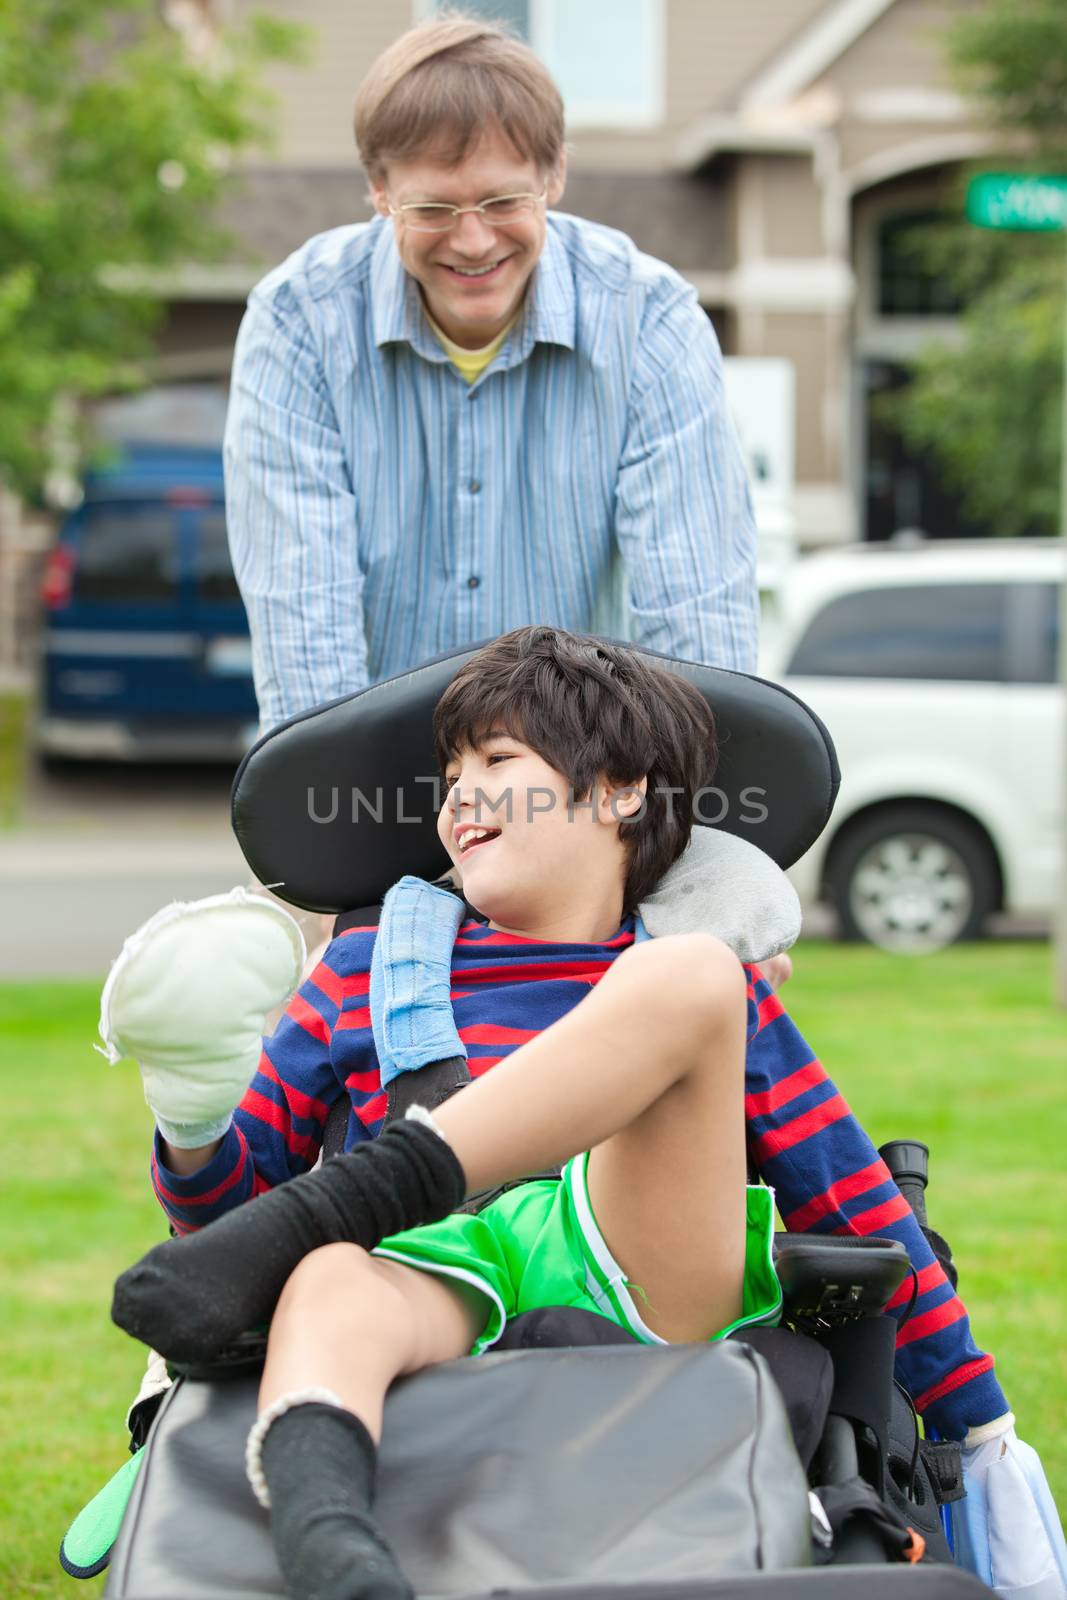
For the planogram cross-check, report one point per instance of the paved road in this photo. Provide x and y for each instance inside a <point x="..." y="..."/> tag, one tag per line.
<point x="98" y="850"/>
<point x="68" y="904"/>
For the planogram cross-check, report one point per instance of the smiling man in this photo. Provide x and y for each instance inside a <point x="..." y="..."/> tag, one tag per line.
<point x="475" y="412"/>
<point x="472" y="262"/>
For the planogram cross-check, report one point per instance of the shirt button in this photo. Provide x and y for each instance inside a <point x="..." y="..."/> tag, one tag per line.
<point x="472" y="583"/>
<point x="474" y="486"/>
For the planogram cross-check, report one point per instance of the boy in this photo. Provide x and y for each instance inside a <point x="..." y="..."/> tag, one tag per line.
<point x="571" y="768"/>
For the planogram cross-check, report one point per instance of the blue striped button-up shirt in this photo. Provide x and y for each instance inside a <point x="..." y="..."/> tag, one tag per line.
<point x="381" y="510"/>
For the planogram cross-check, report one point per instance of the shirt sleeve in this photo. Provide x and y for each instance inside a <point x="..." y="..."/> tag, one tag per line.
<point x="292" y="515"/>
<point x="829" y="1178"/>
<point x="683" y="514"/>
<point x="277" y="1129"/>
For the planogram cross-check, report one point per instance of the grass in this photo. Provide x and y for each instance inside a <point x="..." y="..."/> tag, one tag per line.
<point x="962" y="1050"/>
<point x="965" y="1051"/>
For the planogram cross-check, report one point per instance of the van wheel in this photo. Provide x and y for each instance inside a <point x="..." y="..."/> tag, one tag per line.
<point x="912" y="878"/>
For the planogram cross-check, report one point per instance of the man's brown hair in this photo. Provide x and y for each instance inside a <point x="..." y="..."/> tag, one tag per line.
<point x="443" y="83"/>
<point x="592" y="710"/>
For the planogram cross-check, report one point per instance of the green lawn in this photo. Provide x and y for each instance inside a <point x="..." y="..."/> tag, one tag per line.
<point x="962" y="1050"/>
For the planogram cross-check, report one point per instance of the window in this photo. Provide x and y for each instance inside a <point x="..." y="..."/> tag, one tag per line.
<point x="940" y="631"/>
<point x="127" y="553"/>
<point x="605" y="55"/>
<point x="908" y="285"/>
<point x="1048" y="634"/>
<point x="1034" y="627"/>
<point x="514" y="13"/>
<point x="215" y="579"/>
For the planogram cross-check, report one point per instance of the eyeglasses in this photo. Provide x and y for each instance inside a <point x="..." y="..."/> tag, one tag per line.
<point x="434" y="216"/>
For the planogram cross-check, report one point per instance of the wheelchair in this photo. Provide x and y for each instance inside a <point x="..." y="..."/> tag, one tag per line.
<point x="570" y="1460"/>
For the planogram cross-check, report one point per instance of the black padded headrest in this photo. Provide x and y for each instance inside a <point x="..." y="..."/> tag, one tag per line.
<point x="335" y="805"/>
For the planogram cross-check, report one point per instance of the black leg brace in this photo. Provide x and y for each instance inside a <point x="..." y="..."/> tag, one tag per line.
<point x="319" y="1464"/>
<point x="189" y="1298"/>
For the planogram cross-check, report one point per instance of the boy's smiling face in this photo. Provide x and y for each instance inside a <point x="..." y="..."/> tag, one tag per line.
<point x="529" y="857"/>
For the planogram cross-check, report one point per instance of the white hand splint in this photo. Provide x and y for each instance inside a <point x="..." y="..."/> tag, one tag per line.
<point x="187" y="998"/>
<point x="1007" y="1528"/>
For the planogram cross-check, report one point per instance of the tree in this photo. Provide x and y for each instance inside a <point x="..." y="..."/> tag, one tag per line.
<point x="989" y="407"/>
<point x="115" y="137"/>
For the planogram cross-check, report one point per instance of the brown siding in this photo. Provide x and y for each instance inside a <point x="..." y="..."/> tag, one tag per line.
<point x="711" y="48"/>
<point x="314" y="124"/>
<point x="903" y="49"/>
<point x="792" y="207"/>
<point x="715" y="46"/>
<point x="859" y="142"/>
<point x="810" y="342"/>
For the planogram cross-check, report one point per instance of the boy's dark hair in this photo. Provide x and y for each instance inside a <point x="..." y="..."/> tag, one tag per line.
<point x="591" y="710"/>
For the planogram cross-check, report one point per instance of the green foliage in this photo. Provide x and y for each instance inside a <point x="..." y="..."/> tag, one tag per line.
<point x="14" y="713"/>
<point x="114" y="147"/>
<point x="990" y="405"/>
<point x="1011" y="56"/>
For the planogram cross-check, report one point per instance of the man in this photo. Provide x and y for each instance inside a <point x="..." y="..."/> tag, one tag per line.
<point x="470" y="414"/>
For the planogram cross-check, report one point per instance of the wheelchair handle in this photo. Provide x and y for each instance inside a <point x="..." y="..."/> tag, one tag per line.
<point x="908" y="1161"/>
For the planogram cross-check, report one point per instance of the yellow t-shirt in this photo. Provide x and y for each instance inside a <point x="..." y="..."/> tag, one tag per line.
<point x="470" y="364"/>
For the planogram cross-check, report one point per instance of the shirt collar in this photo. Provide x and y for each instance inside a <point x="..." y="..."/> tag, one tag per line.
<point x="551" y="306"/>
<point x="549" y="316"/>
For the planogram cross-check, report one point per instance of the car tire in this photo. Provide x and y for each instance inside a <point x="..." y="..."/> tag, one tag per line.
<point x="912" y="879"/>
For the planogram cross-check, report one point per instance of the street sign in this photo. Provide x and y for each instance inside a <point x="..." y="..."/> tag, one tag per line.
<point x="1023" y="201"/>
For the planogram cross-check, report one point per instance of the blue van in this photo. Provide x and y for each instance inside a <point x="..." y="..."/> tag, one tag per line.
<point x="146" y="654"/>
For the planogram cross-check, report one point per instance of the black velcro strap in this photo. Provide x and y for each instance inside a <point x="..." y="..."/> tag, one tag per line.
<point x="358" y="917"/>
<point x="478" y="1202"/>
<point x="429" y="1086"/>
<point x="943" y="1251"/>
<point x="944" y="1457"/>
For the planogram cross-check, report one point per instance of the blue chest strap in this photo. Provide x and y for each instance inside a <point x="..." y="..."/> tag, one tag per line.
<point x="411" y="977"/>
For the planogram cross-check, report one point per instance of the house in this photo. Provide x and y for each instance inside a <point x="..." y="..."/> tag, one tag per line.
<point x="772" y="150"/>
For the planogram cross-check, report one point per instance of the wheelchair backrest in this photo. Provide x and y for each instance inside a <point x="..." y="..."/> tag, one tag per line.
<point x="334" y="806"/>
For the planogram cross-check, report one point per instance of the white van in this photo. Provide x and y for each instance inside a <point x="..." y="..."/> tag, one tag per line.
<point x="935" y="669"/>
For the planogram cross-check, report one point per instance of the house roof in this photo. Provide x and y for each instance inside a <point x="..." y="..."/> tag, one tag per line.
<point x="766" y="115"/>
<point x="811" y="51"/>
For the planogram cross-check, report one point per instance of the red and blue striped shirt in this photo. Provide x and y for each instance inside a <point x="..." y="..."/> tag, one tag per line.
<point x="803" y="1139"/>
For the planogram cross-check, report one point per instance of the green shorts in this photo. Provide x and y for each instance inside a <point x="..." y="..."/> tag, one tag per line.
<point x="539" y="1245"/>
